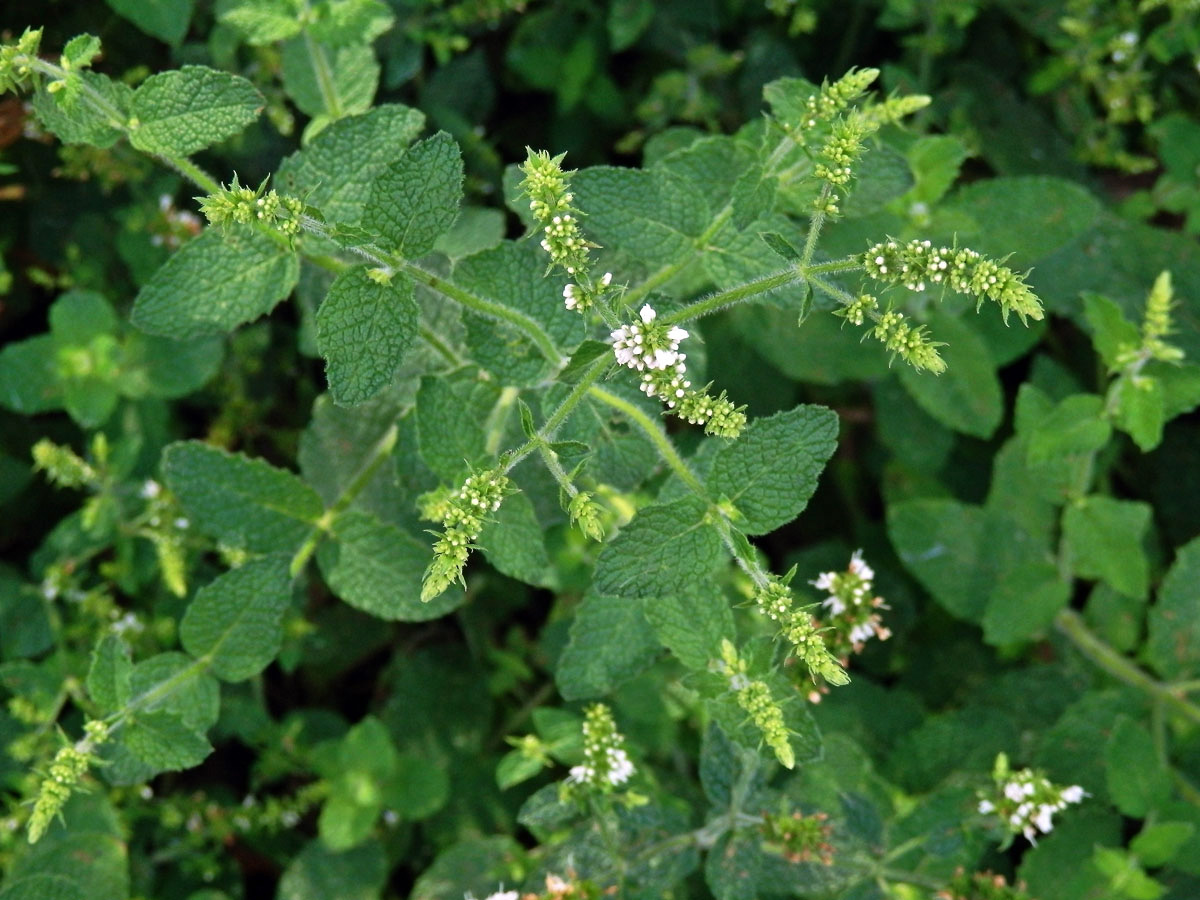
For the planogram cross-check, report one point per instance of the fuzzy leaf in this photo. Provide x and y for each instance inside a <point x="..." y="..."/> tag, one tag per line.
<point x="329" y="83"/>
<point x="166" y="20"/>
<point x="214" y="283"/>
<point x="1174" y="643"/>
<point x="771" y="471"/>
<point x="1105" y="540"/>
<point x="163" y="742"/>
<point x="186" y="110"/>
<point x="378" y="567"/>
<point x="242" y="502"/>
<point x="610" y="643"/>
<point x="109" y="674"/>
<point x="335" y="171"/>
<point x="514" y="542"/>
<point x="363" y="331"/>
<point x="82" y="123"/>
<point x="692" y="624"/>
<point x="318" y="873"/>
<point x="665" y="547"/>
<point x="1137" y="779"/>
<point x="236" y="620"/>
<point x="414" y="201"/>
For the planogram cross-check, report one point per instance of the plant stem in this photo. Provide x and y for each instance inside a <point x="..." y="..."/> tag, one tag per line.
<point x="1119" y="667"/>
<point x="734" y="295"/>
<point x="380" y="452"/>
<point x="669" y="271"/>
<point x="654" y="431"/>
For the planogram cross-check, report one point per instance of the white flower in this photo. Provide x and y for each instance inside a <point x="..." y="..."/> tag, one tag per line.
<point x="824" y="581"/>
<point x="607" y="279"/>
<point x="1042" y="819"/>
<point x="834" y="604"/>
<point x="571" y="295"/>
<point x="647" y="313"/>
<point x="150" y="489"/>
<point x="1073" y="794"/>
<point x="859" y="567"/>
<point x="620" y="768"/>
<point x="676" y="334"/>
<point x="986" y="806"/>
<point x="1014" y="791"/>
<point x="503" y="895"/>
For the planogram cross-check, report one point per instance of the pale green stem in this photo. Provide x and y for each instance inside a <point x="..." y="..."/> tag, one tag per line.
<point x="329" y="95"/>
<point x="1070" y="624"/>
<point x="380" y="452"/>
<point x="743" y="292"/>
<point x="550" y="459"/>
<point x="669" y="271"/>
<point x="497" y="419"/>
<point x="546" y="433"/>
<point x="654" y="431"/>
<point x="815" y="222"/>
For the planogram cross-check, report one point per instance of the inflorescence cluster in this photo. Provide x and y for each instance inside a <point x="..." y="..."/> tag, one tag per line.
<point x="799" y="838"/>
<point x="797" y="626"/>
<point x="918" y="264"/>
<point x="462" y="513"/>
<point x="653" y="349"/>
<point x="851" y="608"/>
<point x="605" y="764"/>
<point x="245" y="206"/>
<point x="1025" y="801"/>
<point x="754" y="696"/>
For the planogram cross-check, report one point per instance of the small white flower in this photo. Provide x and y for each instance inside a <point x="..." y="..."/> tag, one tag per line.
<point x="859" y="567"/>
<point x="834" y="604"/>
<point x="647" y="313"/>
<point x="1073" y="794"/>
<point x="607" y="279"/>
<point x="677" y="334"/>
<point x="503" y="895"/>
<point x="986" y="806"/>
<point x="1043" y="818"/>
<point x="150" y="489"/>
<point x="1014" y="791"/>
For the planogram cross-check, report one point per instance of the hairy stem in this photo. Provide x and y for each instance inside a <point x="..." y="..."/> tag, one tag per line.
<point x="1071" y="625"/>
<point x="743" y="292"/>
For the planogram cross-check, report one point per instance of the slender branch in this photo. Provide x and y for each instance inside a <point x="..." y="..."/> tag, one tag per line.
<point x="1070" y="624"/>
<point x="743" y="292"/>
<point x="380" y="452"/>
<point x="654" y="431"/>
<point x="669" y="271"/>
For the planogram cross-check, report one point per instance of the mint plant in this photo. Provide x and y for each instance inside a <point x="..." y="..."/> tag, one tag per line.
<point x="539" y="470"/>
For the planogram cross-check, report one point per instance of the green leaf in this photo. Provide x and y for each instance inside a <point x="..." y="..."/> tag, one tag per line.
<point x="242" y="502"/>
<point x="29" y="381"/>
<point x="166" y="20"/>
<point x="363" y="331"/>
<point x="665" y="547"/>
<point x="378" y="567"/>
<point x="1141" y="410"/>
<point x="336" y="170"/>
<point x="43" y="887"/>
<point x="186" y="110"/>
<point x="1174" y="641"/>
<point x="415" y="200"/>
<point x="653" y="216"/>
<point x="449" y="413"/>
<point x="780" y="246"/>
<point x="514" y="275"/>
<point x="1075" y="426"/>
<point x="1125" y="876"/>
<point x="1105" y="538"/>
<point x="585" y="354"/>
<point x="418" y="788"/>
<point x="935" y="161"/>
<point x="1137" y="779"/>
<point x="1157" y="844"/>
<point x="318" y="873"/>
<point x="610" y="643"/>
<point x="967" y="396"/>
<point x="514" y="542"/>
<point x="84" y="123"/>
<point x="771" y="471"/>
<point x="163" y="742"/>
<point x="366" y="760"/>
<point x="236" y="620"/>
<point x="109" y="674"/>
<point x="262" y="22"/>
<point x="1111" y="331"/>
<point x="179" y="685"/>
<point x="691" y="625"/>
<point x="326" y="82"/>
<point x="938" y="541"/>
<point x="214" y="283"/>
<point x="91" y="852"/>
<point x="733" y="867"/>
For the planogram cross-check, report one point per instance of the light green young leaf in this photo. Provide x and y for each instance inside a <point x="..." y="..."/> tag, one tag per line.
<point x="1075" y="426"/>
<point x="235" y="621"/>
<point x="654" y="216"/>
<point x="415" y="200"/>
<point x="262" y="22"/>
<point x="1105" y="538"/>
<point x="329" y="83"/>
<point x="214" y="283"/>
<point x="1111" y="331"/>
<point x="967" y="396"/>
<point x="318" y="873"/>
<point x="166" y="20"/>
<point x="335" y="171"/>
<point x="1157" y="844"/>
<point x="1174" y="641"/>
<point x="108" y="678"/>
<point x="691" y="624"/>
<point x="163" y="742"/>
<point x="378" y="567"/>
<point x="771" y="471"/>
<point x="515" y="543"/>
<point x="1138" y="781"/>
<point x="242" y="502"/>
<point x="665" y="548"/>
<point x="363" y="331"/>
<point x="84" y="122"/>
<point x="611" y="641"/>
<point x="186" y="110"/>
<point x="352" y="22"/>
<point x="445" y="408"/>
